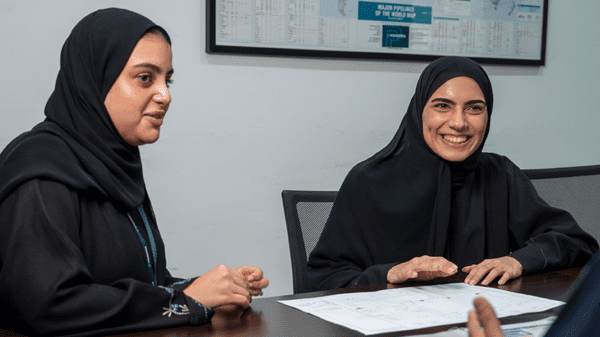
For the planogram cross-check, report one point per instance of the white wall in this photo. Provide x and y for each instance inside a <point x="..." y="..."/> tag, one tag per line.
<point x="242" y="129"/>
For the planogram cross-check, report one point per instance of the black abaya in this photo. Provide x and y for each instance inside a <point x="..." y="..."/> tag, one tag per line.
<point x="76" y="256"/>
<point x="406" y="202"/>
<point x="72" y="263"/>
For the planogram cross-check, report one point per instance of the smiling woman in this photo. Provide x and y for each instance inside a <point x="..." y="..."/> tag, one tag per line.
<point x="432" y="203"/>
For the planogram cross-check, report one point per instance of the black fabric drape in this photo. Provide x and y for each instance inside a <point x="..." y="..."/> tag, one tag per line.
<point x="406" y="202"/>
<point x="78" y="144"/>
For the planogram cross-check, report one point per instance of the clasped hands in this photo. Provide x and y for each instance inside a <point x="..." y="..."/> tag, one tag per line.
<point x="426" y="268"/>
<point x="226" y="288"/>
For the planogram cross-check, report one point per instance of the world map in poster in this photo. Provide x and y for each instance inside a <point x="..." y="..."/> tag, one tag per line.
<point x="498" y="29"/>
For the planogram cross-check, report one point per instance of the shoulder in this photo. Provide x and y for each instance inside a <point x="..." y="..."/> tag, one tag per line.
<point x="46" y="190"/>
<point x="33" y="150"/>
<point x="499" y="166"/>
<point x="358" y="175"/>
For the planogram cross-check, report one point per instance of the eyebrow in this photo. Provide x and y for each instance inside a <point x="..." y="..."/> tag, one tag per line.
<point x="154" y="67"/>
<point x="449" y="101"/>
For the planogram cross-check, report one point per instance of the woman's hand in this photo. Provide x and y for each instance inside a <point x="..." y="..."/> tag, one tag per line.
<point x="221" y="286"/>
<point x="422" y="268"/>
<point x="483" y="317"/>
<point x="506" y="266"/>
<point x="255" y="279"/>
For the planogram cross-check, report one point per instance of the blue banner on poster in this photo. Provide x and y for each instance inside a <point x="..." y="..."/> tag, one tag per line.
<point x="395" y="36"/>
<point x="381" y="11"/>
<point x="529" y="9"/>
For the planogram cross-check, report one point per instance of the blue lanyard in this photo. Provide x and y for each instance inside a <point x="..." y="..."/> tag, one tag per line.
<point x="152" y="243"/>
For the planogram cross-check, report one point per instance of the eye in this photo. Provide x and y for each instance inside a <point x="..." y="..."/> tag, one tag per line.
<point x="475" y="109"/>
<point x="146" y="79"/>
<point x="442" y="106"/>
<point x="169" y="82"/>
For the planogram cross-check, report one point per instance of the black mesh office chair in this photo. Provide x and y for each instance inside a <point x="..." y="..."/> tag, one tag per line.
<point x="574" y="189"/>
<point x="305" y="215"/>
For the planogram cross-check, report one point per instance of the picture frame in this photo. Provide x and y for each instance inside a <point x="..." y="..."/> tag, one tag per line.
<point x="509" y="32"/>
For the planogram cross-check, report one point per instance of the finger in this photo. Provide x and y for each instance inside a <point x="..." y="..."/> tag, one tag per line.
<point x="410" y="273"/>
<point x="478" y="273"/>
<point x="471" y="275"/>
<point x="505" y="278"/>
<point x="252" y="273"/>
<point x="491" y="276"/>
<point x="468" y="269"/>
<point x="239" y="291"/>
<point x="256" y="292"/>
<point x="225" y="273"/>
<point x="239" y="278"/>
<point x="487" y="317"/>
<point x="473" y="325"/>
<point x="239" y="300"/>
<point x="246" y="271"/>
<point x="256" y="274"/>
<point x="260" y="284"/>
<point x="446" y="266"/>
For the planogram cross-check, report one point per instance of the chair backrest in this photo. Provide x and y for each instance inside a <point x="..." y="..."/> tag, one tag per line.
<point x="574" y="189"/>
<point x="306" y="213"/>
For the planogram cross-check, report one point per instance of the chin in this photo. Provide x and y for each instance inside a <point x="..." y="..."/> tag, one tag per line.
<point x="148" y="139"/>
<point x="455" y="158"/>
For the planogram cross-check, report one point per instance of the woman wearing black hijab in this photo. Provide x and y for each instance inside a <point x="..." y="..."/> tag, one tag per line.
<point x="80" y="250"/>
<point x="431" y="203"/>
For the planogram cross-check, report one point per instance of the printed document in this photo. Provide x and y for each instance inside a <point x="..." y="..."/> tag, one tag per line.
<point x="411" y="308"/>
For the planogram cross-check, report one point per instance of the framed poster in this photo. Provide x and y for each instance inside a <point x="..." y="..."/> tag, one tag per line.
<point x="488" y="31"/>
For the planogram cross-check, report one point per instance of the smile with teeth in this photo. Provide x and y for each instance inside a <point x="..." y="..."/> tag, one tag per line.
<point x="455" y="139"/>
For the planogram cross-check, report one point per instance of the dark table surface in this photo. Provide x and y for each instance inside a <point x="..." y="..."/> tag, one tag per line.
<point x="267" y="317"/>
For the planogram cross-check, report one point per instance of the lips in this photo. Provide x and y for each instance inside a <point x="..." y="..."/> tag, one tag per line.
<point x="156" y="118"/>
<point x="456" y="139"/>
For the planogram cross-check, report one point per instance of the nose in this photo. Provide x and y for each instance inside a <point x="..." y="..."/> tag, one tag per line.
<point x="163" y="95"/>
<point x="457" y="120"/>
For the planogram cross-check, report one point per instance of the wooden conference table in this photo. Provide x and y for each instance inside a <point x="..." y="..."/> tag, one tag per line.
<point x="267" y="317"/>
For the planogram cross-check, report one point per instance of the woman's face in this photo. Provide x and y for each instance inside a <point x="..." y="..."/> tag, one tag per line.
<point x="139" y="99"/>
<point x="455" y="119"/>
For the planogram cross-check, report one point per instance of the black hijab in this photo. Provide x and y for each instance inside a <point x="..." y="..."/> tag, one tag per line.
<point x="77" y="144"/>
<point x="419" y="184"/>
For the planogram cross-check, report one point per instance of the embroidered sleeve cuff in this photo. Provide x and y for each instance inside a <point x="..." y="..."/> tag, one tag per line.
<point x="200" y="314"/>
<point x="180" y="285"/>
